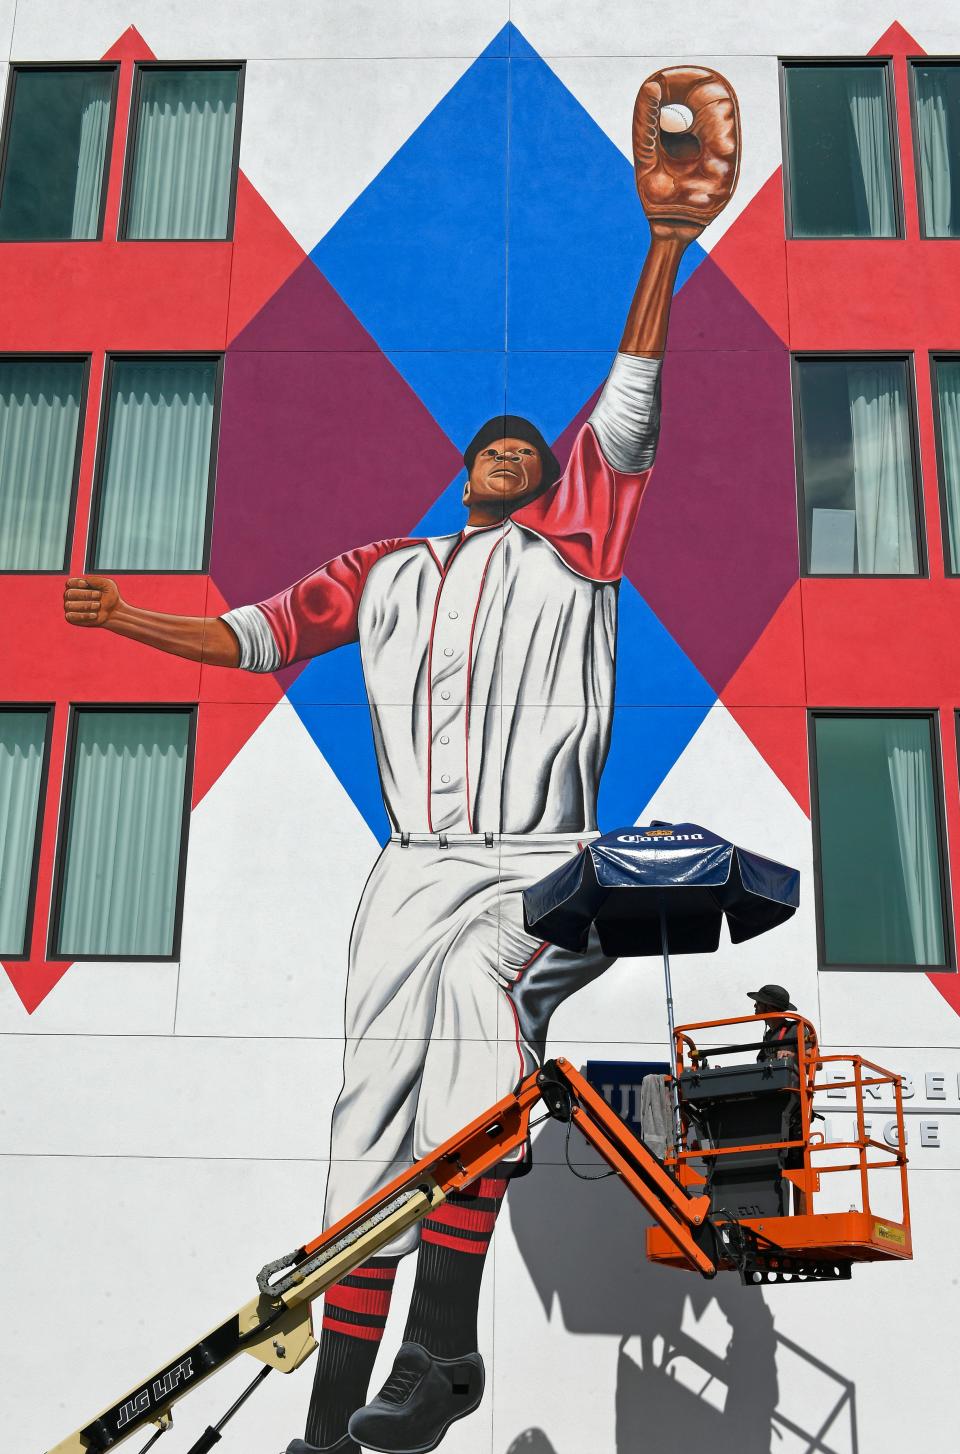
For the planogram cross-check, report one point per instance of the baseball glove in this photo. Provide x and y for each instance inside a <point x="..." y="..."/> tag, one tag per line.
<point x="686" y="177"/>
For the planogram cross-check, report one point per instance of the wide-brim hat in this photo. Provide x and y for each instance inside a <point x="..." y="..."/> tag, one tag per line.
<point x="772" y="994"/>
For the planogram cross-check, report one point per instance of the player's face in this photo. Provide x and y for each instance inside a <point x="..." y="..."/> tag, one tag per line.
<point x="509" y="470"/>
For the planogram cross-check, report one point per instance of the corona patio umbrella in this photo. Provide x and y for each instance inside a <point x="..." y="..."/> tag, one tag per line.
<point x="661" y="889"/>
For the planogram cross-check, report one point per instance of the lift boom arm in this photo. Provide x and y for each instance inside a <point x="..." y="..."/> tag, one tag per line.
<point x="275" y="1326"/>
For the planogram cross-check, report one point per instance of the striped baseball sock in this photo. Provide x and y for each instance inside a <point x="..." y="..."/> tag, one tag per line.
<point x="354" y="1317"/>
<point x="453" y="1249"/>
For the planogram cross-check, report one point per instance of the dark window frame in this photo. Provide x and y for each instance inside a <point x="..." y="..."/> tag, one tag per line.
<point x="47" y="708"/>
<point x="103" y="430"/>
<point x="839" y="356"/>
<point x="912" y="63"/>
<point x="942" y="356"/>
<point x="932" y="716"/>
<point x="893" y="129"/>
<point x="54" y="953"/>
<point x="15" y="68"/>
<point x="84" y="359"/>
<point x="132" y="128"/>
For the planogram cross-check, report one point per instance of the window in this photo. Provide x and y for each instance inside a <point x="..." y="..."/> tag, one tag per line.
<point x="123" y="850"/>
<point x="879" y="828"/>
<point x="156" y="469"/>
<point x="839" y="157"/>
<point x="855" y="456"/>
<point x="946" y="393"/>
<point x="184" y="154"/>
<point x="936" y="98"/>
<point x="41" y="402"/>
<point x="23" y="744"/>
<point x="58" y="123"/>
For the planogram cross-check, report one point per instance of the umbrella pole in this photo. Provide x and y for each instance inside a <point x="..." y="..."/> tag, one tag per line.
<point x="668" y="985"/>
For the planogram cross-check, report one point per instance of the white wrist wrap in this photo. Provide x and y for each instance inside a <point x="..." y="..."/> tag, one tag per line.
<point x="626" y="420"/>
<point x="258" y="650"/>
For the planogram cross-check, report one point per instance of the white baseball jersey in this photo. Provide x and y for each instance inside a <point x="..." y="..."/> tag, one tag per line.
<point x="488" y="655"/>
<point x="489" y="663"/>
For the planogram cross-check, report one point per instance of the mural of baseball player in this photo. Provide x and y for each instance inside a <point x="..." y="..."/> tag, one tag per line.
<point x="489" y="661"/>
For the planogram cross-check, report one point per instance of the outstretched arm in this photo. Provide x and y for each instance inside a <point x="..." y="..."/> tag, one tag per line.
<point x="686" y="147"/>
<point x="95" y="601"/>
<point x="686" y="143"/>
<point x="316" y="614"/>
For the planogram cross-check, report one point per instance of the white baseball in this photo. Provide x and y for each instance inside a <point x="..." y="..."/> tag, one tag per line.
<point x="675" y="118"/>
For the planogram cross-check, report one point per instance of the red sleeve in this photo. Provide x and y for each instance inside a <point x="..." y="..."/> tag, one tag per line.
<point x="589" y="514"/>
<point x="320" y="611"/>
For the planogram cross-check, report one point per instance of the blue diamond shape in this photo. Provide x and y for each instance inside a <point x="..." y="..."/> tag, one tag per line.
<point x="420" y="257"/>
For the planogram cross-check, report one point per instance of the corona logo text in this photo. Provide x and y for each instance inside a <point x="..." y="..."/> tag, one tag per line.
<point x="660" y="835"/>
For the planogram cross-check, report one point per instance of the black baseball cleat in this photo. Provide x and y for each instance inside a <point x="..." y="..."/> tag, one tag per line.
<point x="342" y="1446"/>
<point x="422" y="1397"/>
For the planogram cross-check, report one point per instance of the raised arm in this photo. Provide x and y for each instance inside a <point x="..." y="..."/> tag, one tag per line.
<point x="95" y="601"/>
<point x="686" y="146"/>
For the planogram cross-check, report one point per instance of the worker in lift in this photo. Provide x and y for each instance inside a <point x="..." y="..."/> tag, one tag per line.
<point x="780" y="1036"/>
<point x="780" y="1041"/>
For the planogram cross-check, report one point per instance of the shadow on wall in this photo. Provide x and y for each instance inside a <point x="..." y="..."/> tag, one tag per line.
<point x="697" y="1361"/>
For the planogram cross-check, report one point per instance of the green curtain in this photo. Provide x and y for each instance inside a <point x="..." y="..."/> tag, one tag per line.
<point x="94" y="119"/>
<point x="183" y="162"/>
<point x="153" y="505"/>
<point x="948" y="396"/>
<point x="123" y="838"/>
<point x="938" y="140"/>
<point x="22" y="737"/>
<point x="879" y="850"/>
<point x="56" y="153"/>
<point x="882" y="468"/>
<point x="39" y="418"/>
<point x="838" y="147"/>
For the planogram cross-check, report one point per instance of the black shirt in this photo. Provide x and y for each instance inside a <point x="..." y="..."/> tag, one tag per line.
<point x="780" y="1035"/>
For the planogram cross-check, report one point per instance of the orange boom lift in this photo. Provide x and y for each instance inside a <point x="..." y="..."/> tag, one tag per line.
<point x="687" y="1195"/>
<point x="725" y="1149"/>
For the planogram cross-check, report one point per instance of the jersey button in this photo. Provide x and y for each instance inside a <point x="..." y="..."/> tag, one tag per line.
<point x="444" y="740"/>
<point x="445" y="778"/>
<point x="454" y="615"/>
<point x="448" y="651"/>
<point x="445" y="696"/>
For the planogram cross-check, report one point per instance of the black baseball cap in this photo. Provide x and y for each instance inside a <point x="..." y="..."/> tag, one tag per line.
<point x="514" y="426"/>
<point x="773" y="995"/>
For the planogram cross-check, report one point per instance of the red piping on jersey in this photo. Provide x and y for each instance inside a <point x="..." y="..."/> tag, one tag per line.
<point x="466" y="715"/>
<point x="433" y="626"/>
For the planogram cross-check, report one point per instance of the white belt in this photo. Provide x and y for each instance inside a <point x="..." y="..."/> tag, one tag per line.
<point x="490" y="840"/>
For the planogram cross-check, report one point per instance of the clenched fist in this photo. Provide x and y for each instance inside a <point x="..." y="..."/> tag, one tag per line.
<point x="686" y="173"/>
<point x="90" y="600"/>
